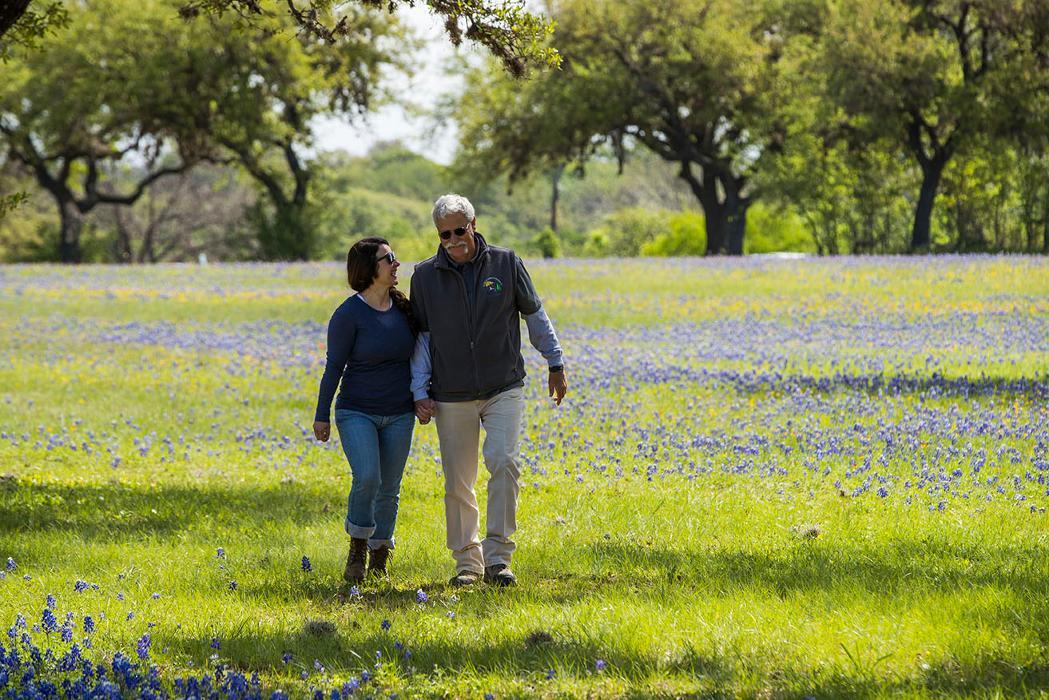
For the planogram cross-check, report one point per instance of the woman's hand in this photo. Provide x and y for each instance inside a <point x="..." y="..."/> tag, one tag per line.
<point x="321" y="430"/>
<point x="424" y="410"/>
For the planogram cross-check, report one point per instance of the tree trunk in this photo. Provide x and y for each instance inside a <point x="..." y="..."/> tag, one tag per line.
<point x="705" y="189"/>
<point x="555" y="195"/>
<point x="124" y="252"/>
<point x="735" y="213"/>
<point x="921" y="233"/>
<point x="286" y="235"/>
<point x="71" y="223"/>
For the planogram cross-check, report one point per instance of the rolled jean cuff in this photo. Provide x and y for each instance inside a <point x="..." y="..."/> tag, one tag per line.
<point x="359" y="532"/>
<point x="375" y="544"/>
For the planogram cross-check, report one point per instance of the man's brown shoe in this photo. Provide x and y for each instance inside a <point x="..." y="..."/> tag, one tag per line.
<point x="465" y="578"/>
<point x="355" y="561"/>
<point x="377" y="560"/>
<point x="500" y="575"/>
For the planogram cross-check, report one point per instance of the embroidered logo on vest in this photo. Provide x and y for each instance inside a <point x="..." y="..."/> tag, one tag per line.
<point x="493" y="285"/>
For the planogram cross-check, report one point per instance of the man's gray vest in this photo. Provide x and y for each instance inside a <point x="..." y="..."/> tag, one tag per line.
<point x="475" y="348"/>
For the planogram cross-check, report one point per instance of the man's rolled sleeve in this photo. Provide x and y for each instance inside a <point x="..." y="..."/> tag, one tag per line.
<point x="543" y="338"/>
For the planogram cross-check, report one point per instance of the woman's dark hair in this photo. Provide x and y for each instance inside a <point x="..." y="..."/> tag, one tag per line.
<point x="362" y="266"/>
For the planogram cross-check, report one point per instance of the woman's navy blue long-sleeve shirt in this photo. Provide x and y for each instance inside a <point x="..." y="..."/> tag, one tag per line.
<point x="369" y="351"/>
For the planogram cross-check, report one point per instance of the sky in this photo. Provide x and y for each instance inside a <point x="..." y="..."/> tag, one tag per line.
<point x="394" y="122"/>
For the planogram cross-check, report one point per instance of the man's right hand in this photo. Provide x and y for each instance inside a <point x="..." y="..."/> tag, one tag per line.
<point x="424" y="410"/>
<point x="321" y="430"/>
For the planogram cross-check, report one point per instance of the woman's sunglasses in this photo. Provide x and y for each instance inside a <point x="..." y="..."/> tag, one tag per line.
<point x="389" y="257"/>
<point x="460" y="232"/>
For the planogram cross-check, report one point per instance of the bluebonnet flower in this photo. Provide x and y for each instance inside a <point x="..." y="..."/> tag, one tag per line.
<point x="599" y="665"/>
<point x="48" y="620"/>
<point x="233" y="585"/>
<point x="89" y="624"/>
<point x="304" y="675"/>
<point x="551" y="674"/>
<point x="489" y="696"/>
<point x="11" y="564"/>
<point x="385" y="625"/>
<point x="50" y="602"/>
<point x="81" y="586"/>
<point x="143" y="646"/>
<point x="306" y="566"/>
<point x="67" y="633"/>
<point x="286" y="657"/>
<point x="130" y="614"/>
<point x="220" y="553"/>
<point x="365" y="676"/>
<point x="421" y="597"/>
<point x="317" y="665"/>
<point x="155" y="596"/>
<point x="215" y="643"/>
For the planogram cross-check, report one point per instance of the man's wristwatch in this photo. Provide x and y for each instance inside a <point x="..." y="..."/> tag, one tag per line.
<point x="557" y="368"/>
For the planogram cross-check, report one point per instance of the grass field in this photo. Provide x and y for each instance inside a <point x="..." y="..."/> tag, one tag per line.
<point x="770" y="478"/>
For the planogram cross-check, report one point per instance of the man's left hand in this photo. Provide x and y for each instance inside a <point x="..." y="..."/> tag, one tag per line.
<point x="558" y="383"/>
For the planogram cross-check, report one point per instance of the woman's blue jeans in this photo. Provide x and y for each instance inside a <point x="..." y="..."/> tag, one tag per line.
<point x="377" y="449"/>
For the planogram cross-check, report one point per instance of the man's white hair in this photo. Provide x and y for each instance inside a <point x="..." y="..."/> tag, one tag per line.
<point x="452" y="204"/>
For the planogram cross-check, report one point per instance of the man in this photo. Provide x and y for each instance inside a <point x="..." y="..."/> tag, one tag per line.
<point x="467" y="372"/>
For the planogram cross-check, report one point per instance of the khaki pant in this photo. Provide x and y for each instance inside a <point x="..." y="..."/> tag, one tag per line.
<point x="458" y="429"/>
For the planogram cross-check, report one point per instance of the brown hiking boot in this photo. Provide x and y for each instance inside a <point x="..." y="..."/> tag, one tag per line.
<point x="354" y="572"/>
<point x="465" y="578"/>
<point x="377" y="560"/>
<point x="500" y="575"/>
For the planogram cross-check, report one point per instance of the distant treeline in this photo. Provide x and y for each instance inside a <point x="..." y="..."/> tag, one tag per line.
<point x="133" y="134"/>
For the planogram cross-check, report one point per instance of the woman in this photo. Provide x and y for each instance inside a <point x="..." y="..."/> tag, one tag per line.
<point x="370" y="340"/>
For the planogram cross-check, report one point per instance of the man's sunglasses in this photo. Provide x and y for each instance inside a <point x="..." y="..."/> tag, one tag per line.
<point x="460" y="232"/>
<point x="389" y="257"/>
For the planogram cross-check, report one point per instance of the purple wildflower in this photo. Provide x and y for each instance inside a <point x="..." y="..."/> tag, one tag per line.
<point x="143" y="646"/>
<point x="48" y="620"/>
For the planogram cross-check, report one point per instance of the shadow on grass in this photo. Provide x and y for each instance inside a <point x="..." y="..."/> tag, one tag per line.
<point x="118" y="511"/>
<point x="349" y="649"/>
<point x="890" y="568"/>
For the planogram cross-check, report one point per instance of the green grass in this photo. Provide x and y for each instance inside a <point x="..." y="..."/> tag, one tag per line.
<point x="702" y="534"/>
